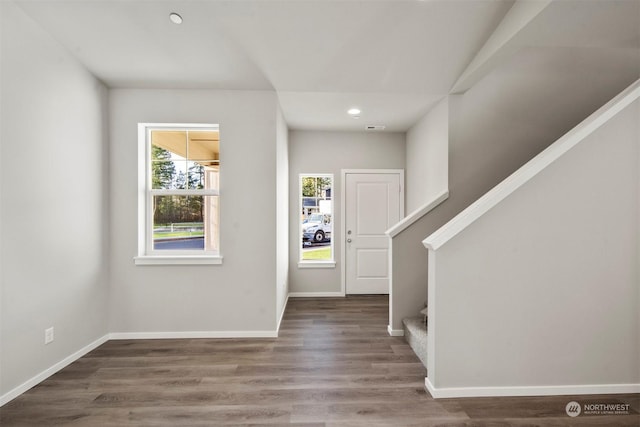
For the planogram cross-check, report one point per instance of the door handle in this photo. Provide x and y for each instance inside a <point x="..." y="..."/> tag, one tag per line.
<point x="348" y="240"/>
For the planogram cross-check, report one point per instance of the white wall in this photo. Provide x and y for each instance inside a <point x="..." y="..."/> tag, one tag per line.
<point x="282" y="213"/>
<point x="428" y="157"/>
<point x="502" y="122"/>
<point x="54" y="202"/>
<point x="549" y="292"/>
<point x="315" y="152"/>
<point x="239" y="296"/>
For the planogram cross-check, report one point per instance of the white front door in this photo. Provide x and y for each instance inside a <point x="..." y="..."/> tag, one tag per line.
<point x="373" y="204"/>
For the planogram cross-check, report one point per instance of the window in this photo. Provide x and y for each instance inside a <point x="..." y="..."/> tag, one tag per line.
<point x="316" y="220"/>
<point x="179" y="207"/>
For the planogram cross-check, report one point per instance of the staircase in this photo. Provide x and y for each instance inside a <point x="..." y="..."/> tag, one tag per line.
<point x="523" y="278"/>
<point x="481" y="156"/>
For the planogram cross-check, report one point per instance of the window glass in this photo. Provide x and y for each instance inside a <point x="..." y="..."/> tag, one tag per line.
<point x="316" y="217"/>
<point x="179" y="222"/>
<point x="182" y="190"/>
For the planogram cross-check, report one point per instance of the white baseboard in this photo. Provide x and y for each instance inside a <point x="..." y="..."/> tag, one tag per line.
<point x="316" y="294"/>
<point x="12" y="394"/>
<point x="284" y="308"/>
<point x="439" y="393"/>
<point x="395" y="332"/>
<point x="191" y="334"/>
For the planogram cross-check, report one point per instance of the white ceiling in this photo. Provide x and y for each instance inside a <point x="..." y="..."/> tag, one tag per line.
<point x="394" y="59"/>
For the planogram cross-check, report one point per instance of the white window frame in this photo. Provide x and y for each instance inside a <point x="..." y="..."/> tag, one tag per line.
<point x="306" y="263"/>
<point x="146" y="254"/>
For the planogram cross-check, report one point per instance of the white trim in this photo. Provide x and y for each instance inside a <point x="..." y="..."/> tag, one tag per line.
<point x="343" y="214"/>
<point x="145" y="195"/>
<point x="191" y="334"/>
<point x="177" y="126"/>
<point x="378" y="171"/>
<point x="186" y="192"/>
<point x="177" y="260"/>
<point x="432" y="302"/>
<point x="284" y="308"/>
<point x="142" y="188"/>
<point x="17" y="391"/>
<point x="316" y="264"/>
<point x="533" y="167"/>
<point x="343" y="231"/>
<point x="316" y="294"/>
<point x="390" y="272"/>
<point x="395" y="332"/>
<point x="407" y="221"/>
<point x="559" y="390"/>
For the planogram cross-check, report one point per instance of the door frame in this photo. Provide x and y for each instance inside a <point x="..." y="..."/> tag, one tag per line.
<point x="343" y="215"/>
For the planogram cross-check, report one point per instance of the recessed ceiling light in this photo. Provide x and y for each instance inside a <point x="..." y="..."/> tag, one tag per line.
<point x="175" y="18"/>
<point x="354" y="111"/>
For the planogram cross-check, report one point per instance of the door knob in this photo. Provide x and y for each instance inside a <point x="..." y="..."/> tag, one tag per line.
<point x="348" y="240"/>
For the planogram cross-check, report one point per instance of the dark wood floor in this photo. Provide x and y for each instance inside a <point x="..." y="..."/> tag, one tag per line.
<point x="333" y="364"/>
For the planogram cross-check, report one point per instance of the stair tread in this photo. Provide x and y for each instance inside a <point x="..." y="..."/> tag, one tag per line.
<point x="415" y="324"/>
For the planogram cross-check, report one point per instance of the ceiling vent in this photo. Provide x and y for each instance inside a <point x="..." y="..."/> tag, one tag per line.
<point x="374" y="127"/>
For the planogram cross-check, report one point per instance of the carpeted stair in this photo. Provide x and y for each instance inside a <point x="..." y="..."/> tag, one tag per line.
<point x="415" y="332"/>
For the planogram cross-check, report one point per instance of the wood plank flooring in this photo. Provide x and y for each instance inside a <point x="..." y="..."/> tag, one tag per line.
<point x="333" y="364"/>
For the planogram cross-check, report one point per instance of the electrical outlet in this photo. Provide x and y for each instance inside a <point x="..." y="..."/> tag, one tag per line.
<point x="48" y="335"/>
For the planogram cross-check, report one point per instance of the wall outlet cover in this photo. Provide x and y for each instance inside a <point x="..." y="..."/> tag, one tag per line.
<point x="48" y="335"/>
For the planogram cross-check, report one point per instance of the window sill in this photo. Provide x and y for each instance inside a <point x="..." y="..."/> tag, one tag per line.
<point x="178" y="260"/>
<point x="316" y="264"/>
